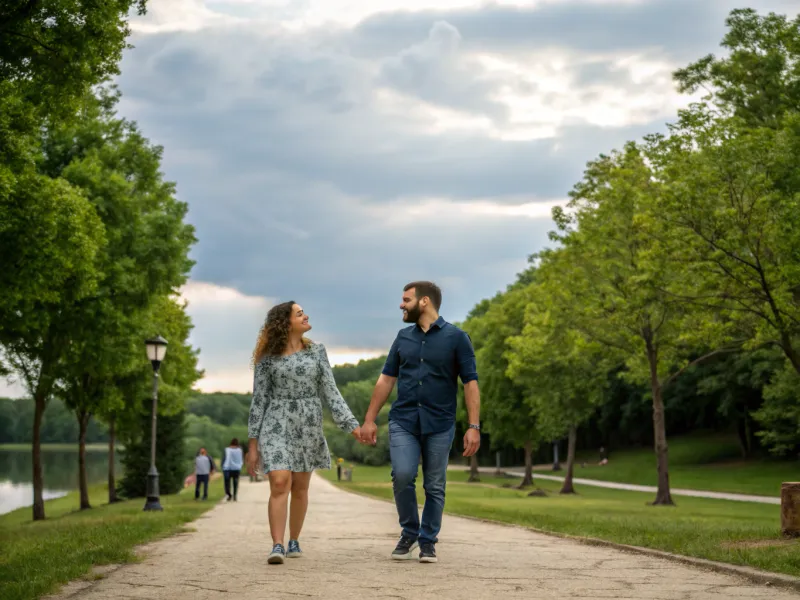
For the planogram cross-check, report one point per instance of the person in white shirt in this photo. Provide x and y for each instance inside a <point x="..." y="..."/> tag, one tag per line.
<point x="231" y="467"/>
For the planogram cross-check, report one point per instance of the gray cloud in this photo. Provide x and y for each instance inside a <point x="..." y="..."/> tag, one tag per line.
<point x="301" y="184"/>
<point x="683" y="29"/>
<point x="436" y="71"/>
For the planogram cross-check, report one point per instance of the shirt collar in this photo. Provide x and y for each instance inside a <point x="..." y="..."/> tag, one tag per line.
<point x="438" y="323"/>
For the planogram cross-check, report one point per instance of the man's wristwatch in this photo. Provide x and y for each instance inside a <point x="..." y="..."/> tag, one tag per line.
<point x="473" y="426"/>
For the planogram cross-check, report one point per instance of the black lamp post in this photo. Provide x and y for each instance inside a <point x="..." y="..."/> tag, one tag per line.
<point x="156" y="349"/>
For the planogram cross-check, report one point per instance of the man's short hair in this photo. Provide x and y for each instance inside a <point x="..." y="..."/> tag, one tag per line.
<point x="426" y="288"/>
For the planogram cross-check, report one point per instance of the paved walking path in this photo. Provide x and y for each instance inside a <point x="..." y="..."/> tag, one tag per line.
<point x="634" y="488"/>
<point x="347" y="541"/>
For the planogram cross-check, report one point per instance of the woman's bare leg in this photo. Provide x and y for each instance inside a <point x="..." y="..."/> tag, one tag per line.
<point x="299" y="505"/>
<point x="280" y="482"/>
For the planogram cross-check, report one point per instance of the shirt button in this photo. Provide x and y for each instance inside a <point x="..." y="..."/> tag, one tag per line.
<point x="421" y="360"/>
<point x="420" y="383"/>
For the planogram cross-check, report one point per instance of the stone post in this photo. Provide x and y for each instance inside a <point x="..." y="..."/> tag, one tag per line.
<point x="790" y="509"/>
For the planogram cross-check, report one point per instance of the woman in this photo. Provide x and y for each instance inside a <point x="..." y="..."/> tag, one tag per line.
<point x="292" y="379"/>
<point x="231" y="467"/>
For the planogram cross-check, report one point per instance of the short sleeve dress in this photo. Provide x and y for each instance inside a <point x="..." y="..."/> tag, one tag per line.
<point x="286" y="410"/>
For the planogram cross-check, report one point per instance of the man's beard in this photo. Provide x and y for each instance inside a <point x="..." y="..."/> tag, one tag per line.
<point x="412" y="315"/>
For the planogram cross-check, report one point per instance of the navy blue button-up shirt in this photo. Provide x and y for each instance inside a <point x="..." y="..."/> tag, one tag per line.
<point x="427" y="366"/>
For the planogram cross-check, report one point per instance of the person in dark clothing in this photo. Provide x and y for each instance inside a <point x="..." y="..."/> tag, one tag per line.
<point x="203" y="467"/>
<point x="425" y="361"/>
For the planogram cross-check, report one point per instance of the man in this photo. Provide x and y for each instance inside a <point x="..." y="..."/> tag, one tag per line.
<point x="425" y="361"/>
<point x="203" y="467"/>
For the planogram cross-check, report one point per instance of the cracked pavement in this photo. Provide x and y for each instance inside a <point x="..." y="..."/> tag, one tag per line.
<point x="347" y="540"/>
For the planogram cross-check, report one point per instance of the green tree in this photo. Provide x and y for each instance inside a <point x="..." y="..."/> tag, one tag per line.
<point x="506" y="414"/>
<point x="146" y="254"/>
<point x="564" y="373"/>
<point x="617" y="281"/>
<point x="780" y="414"/>
<point x="34" y="335"/>
<point x="51" y="53"/>
<point x="758" y="79"/>
<point x="170" y="454"/>
<point x="732" y="207"/>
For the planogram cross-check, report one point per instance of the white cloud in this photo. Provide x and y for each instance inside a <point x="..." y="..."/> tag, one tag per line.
<point x="166" y="16"/>
<point x="227" y="323"/>
<point x="332" y="150"/>
<point x="12" y="388"/>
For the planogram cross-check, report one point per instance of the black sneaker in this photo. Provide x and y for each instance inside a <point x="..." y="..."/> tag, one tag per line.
<point x="404" y="548"/>
<point x="277" y="555"/>
<point x="427" y="553"/>
<point x="294" y="550"/>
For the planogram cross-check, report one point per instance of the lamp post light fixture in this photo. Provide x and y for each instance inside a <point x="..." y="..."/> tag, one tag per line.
<point x="156" y="350"/>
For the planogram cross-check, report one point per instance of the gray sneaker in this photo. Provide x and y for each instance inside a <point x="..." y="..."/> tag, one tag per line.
<point x="294" y="550"/>
<point x="277" y="555"/>
<point x="404" y="549"/>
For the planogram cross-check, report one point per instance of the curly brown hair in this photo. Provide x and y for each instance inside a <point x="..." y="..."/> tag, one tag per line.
<point x="274" y="334"/>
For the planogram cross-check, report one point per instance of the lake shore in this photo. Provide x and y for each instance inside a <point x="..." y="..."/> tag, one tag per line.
<point x="60" y="463"/>
<point x="100" y="447"/>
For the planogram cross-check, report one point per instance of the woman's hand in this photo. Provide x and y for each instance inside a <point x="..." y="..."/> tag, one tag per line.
<point x="356" y="433"/>
<point x="252" y="460"/>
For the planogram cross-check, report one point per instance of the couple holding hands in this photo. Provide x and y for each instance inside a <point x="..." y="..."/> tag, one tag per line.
<point x="293" y="377"/>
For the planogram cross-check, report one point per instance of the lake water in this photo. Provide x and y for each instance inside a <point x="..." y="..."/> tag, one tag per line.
<point x="60" y="469"/>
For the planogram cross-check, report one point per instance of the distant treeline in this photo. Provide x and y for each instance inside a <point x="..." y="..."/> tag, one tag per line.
<point x="623" y="420"/>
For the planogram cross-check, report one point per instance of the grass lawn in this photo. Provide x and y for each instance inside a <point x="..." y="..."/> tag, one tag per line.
<point x="741" y="533"/>
<point x="35" y="557"/>
<point x="708" y="462"/>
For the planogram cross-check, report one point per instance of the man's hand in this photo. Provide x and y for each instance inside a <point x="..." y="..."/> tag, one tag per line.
<point x="472" y="441"/>
<point x="252" y="461"/>
<point x="369" y="433"/>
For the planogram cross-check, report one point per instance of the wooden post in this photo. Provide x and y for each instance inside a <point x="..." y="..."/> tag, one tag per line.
<point x="790" y="509"/>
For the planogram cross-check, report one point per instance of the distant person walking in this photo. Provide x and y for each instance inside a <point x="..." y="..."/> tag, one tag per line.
<point x="203" y="467"/>
<point x="231" y="467"/>
<point x="292" y="380"/>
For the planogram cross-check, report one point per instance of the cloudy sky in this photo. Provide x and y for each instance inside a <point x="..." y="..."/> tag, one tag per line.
<point x="332" y="150"/>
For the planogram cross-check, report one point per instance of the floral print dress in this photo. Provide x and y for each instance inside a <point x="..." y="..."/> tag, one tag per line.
<point x="286" y="410"/>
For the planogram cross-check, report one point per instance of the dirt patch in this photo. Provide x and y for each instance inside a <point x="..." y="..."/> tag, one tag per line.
<point x="754" y="544"/>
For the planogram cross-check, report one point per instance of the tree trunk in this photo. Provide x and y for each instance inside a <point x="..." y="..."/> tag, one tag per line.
<point x="663" y="496"/>
<point x="83" y="484"/>
<point x="527" y="481"/>
<point x="748" y="434"/>
<point x="38" y="480"/>
<point x="788" y="349"/>
<point x="112" y="479"/>
<point x="741" y="430"/>
<point x="474" y="474"/>
<point x="573" y="441"/>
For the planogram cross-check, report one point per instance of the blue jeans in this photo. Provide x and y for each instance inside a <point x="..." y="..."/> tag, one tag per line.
<point x="405" y="450"/>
